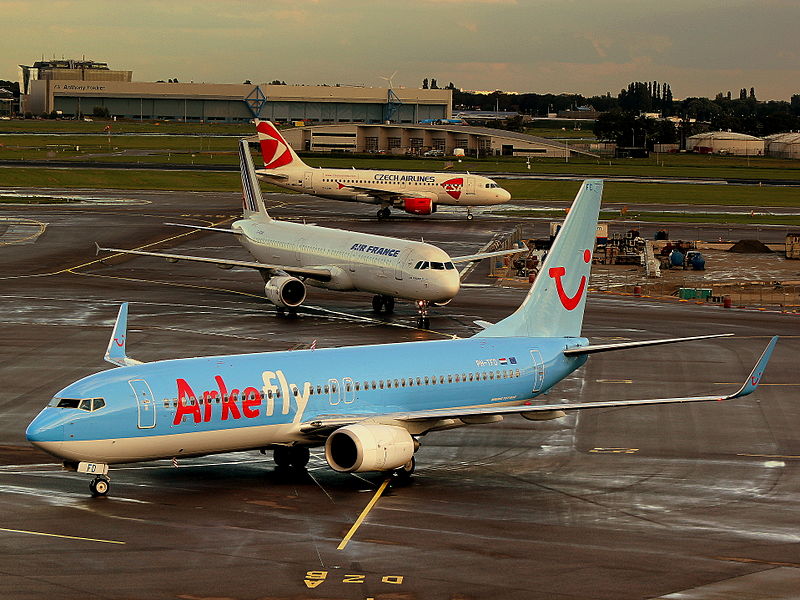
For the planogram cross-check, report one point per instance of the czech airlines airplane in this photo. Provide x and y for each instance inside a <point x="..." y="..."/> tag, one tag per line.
<point x="291" y="255"/>
<point x="415" y="192"/>
<point x="367" y="405"/>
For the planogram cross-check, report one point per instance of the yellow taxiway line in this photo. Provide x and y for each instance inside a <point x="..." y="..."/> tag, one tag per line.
<point x="65" y="537"/>
<point x="363" y="514"/>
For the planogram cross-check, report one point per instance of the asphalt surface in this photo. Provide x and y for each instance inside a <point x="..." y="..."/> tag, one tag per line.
<point x="654" y="502"/>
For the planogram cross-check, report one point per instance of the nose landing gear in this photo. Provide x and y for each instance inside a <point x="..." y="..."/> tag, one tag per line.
<point x="423" y="322"/>
<point x="99" y="485"/>
<point x="384" y="213"/>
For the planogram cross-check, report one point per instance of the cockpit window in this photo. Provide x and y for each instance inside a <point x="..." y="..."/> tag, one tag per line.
<point x="438" y="266"/>
<point x="425" y="265"/>
<point x="491" y="185"/>
<point x="449" y="266"/>
<point x="87" y="404"/>
<point x="68" y="403"/>
<point x="418" y="265"/>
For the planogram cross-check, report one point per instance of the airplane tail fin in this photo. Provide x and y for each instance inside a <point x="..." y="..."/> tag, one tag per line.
<point x="252" y="199"/>
<point x="278" y="154"/>
<point x="555" y="303"/>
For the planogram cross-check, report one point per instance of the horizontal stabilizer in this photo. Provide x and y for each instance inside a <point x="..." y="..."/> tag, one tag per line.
<point x="220" y="229"/>
<point x="595" y="348"/>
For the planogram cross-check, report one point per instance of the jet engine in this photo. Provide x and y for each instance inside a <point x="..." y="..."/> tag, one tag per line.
<point x="419" y="206"/>
<point x="362" y="447"/>
<point x="285" y="291"/>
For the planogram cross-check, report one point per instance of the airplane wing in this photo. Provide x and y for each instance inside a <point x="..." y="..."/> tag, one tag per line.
<point x="318" y="273"/>
<point x="393" y="196"/>
<point x="749" y="386"/>
<point x="220" y="229"/>
<point x="482" y="255"/>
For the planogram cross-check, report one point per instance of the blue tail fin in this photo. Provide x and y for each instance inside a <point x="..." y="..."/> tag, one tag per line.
<point x="555" y="303"/>
<point x="251" y="191"/>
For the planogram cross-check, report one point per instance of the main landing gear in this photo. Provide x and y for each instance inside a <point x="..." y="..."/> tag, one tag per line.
<point x="384" y="213"/>
<point x="402" y="475"/>
<point x="294" y="457"/>
<point x="383" y="304"/>
<point x="99" y="485"/>
<point x="470" y="216"/>
<point x="423" y="322"/>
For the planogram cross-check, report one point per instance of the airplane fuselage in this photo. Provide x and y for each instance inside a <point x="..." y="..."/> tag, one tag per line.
<point x="357" y="261"/>
<point x="454" y="189"/>
<point x="197" y="406"/>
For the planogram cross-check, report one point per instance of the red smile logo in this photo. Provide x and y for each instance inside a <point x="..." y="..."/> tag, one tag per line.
<point x="569" y="302"/>
<point x="276" y="153"/>
<point x="453" y="187"/>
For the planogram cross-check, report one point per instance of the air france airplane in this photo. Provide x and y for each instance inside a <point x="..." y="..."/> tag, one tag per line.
<point x="367" y="405"/>
<point x="415" y="192"/>
<point x="291" y="255"/>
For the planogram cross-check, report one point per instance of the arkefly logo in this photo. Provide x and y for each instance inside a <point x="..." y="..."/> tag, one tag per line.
<point x="273" y="147"/>
<point x="569" y="302"/>
<point x="453" y="187"/>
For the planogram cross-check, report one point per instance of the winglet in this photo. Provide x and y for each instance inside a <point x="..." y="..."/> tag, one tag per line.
<point x="116" y="352"/>
<point x="752" y="381"/>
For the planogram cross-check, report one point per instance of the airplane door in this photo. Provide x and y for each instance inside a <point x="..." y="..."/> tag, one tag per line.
<point x="334" y="392"/>
<point x="401" y="263"/>
<point x="145" y="403"/>
<point x="538" y="370"/>
<point x="299" y="254"/>
<point x="469" y="186"/>
<point x="349" y="392"/>
<point x="307" y="182"/>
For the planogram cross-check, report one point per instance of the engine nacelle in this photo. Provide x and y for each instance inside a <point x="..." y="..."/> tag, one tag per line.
<point x="546" y="415"/>
<point x="362" y="447"/>
<point x="419" y="206"/>
<point x="285" y="291"/>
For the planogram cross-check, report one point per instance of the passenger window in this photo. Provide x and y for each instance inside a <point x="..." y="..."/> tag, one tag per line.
<point x="516" y="374"/>
<point x="374" y="385"/>
<point x="471" y="376"/>
<point x="419" y="381"/>
<point x="327" y="389"/>
<point x="396" y="383"/>
<point x="458" y="378"/>
<point x="380" y="383"/>
<point x="358" y="386"/>
<point x="403" y="382"/>
<point x="433" y="380"/>
<point x="449" y="379"/>
<point x="441" y="378"/>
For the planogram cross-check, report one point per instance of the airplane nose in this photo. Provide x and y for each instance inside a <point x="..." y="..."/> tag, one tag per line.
<point x="46" y="431"/>
<point x="503" y="195"/>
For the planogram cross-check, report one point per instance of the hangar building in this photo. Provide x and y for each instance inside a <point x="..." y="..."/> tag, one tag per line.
<point x="783" y="145"/>
<point x="726" y="142"/>
<point x="419" y="139"/>
<point x="77" y="87"/>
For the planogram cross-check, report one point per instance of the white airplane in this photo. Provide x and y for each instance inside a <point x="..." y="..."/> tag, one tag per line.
<point x="291" y="255"/>
<point x="369" y="406"/>
<point x="415" y="192"/>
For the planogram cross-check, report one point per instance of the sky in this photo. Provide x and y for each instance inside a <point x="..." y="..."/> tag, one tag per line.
<point x="700" y="47"/>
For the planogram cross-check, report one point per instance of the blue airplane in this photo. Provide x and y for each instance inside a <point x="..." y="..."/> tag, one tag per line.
<point x="367" y="405"/>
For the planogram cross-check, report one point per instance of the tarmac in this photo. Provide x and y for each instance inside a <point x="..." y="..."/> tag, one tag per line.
<point x="696" y="501"/>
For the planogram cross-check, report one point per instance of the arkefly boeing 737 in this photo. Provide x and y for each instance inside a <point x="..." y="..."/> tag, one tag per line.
<point x="415" y="192"/>
<point x="291" y="255"/>
<point x="367" y="405"/>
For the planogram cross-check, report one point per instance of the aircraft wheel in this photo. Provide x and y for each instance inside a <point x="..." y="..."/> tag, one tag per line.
<point x="423" y="323"/>
<point x="384" y="213"/>
<point x="99" y="486"/>
<point x="282" y="455"/>
<point x="388" y="304"/>
<point x="403" y="474"/>
<point x="470" y="216"/>
<point x="377" y="303"/>
<point x="299" y="456"/>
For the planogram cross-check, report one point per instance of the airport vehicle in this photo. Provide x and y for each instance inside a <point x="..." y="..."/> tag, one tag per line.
<point x="415" y="192"/>
<point x="368" y="405"/>
<point x="291" y="255"/>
